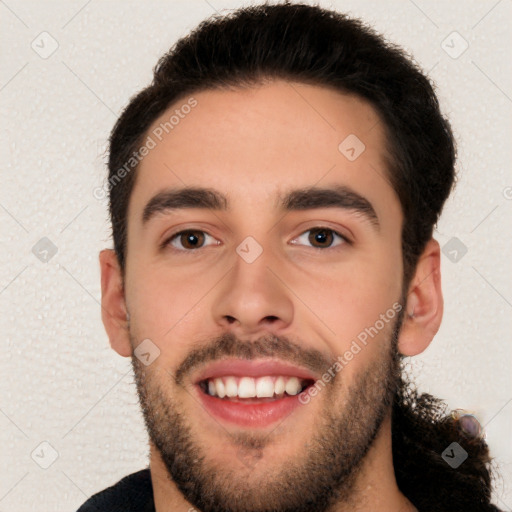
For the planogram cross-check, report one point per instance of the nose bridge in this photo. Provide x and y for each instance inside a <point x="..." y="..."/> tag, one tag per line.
<point x="252" y="298"/>
<point x="251" y="268"/>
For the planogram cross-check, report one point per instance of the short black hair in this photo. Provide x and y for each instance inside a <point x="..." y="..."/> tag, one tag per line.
<point x="315" y="46"/>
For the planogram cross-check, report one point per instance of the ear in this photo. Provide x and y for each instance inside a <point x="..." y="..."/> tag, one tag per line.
<point x="424" y="305"/>
<point x="113" y="306"/>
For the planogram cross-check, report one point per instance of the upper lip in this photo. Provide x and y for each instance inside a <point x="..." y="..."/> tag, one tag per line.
<point x="252" y="368"/>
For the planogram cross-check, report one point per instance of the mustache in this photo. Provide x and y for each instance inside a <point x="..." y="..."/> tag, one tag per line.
<point x="278" y="347"/>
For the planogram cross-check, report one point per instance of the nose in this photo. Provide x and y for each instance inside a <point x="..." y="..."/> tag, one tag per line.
<point x="253" y="300"/>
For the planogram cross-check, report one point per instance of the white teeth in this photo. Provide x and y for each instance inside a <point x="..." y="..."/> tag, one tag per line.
<point x="292" y="386"/>
<point x="264" y="387"/>
<point x="220" y="388"/>
<point x="231" y="387"/>
<point x="247" y="387"/>
<point x="279" y="386"/>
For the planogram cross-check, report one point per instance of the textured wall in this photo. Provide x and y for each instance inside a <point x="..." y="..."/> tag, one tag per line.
<point x="67" y="69"/>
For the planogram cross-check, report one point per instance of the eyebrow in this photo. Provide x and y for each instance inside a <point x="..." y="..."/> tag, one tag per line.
<point x="182" y="198"/>
<point x="309" y="198"/>
<point x="339" y="196"/>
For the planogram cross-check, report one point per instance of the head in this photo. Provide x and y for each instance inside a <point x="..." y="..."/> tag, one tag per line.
<point x="273" y="195"/>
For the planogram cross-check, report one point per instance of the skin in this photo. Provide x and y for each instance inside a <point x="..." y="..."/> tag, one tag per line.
<point x="252" y="145"/>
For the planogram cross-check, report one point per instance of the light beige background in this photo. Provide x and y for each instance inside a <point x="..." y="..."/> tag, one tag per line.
<point x="61" y="383"/>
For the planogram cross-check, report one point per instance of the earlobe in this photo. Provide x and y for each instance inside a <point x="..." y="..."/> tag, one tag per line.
<point x="424" y="305"/>
<point x="113" y="307"/>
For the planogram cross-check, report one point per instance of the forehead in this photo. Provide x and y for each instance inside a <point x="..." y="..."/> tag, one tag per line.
<point x="256" y="143"/>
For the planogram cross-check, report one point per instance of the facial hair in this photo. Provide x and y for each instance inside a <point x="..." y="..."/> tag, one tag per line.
<point x="322" y="475"/>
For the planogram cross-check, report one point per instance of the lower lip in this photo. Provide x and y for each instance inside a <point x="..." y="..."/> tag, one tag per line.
<point x="251" y="414"/>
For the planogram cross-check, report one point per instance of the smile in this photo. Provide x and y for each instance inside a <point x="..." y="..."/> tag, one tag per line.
<point x="247" y="387"/>
<point x="252" y="393"/>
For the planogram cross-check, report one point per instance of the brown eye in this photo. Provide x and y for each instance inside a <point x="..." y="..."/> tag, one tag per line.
<point x="189" y="240"/>
<point x="321" y="238"/>
<point x="192" y="239"/>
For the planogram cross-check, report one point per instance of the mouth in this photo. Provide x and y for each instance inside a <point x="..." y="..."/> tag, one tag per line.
<point x="253" y="390"/>
<point x="252" y="393"/>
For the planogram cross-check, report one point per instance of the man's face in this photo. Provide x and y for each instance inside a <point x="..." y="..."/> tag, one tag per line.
<point x="264" y="292"/>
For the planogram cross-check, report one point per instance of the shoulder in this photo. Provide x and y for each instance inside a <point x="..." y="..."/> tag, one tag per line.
<point x="133" y="493"/>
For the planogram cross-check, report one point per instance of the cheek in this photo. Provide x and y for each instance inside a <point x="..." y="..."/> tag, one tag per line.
<point x="168" y="309"/>
<point x="351" y="296"/>
<point x="370" y="348"/>
<point x="158" y="298"/>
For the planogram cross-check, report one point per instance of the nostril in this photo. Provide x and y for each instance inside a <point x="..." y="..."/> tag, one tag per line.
<point x="230" y="319"/>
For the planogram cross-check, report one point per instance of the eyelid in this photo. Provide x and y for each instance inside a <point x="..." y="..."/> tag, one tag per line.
<point x="167" y="242"/>
<point x="345" y="239"/>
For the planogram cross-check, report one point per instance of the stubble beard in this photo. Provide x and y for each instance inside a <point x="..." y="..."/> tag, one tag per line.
<point x="322" y="475"/>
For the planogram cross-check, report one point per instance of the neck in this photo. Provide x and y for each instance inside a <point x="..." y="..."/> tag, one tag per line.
<point x="375" y="487"/>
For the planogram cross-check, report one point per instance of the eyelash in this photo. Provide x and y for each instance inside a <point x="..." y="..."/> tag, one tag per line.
<point x="344" y="239"/>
